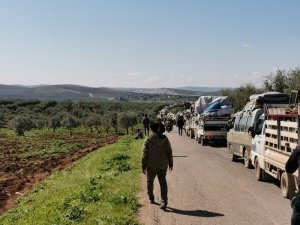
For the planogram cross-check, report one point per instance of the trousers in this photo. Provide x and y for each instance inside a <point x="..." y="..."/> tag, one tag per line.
<point x="161" y="174"/>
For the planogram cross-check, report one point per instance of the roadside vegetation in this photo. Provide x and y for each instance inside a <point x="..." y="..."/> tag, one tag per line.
<point x="281" y="80"/>
<point x="100" y="188"/>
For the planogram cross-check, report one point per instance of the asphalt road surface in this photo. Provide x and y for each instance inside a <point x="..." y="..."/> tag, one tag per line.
<point x="205" y="187"/>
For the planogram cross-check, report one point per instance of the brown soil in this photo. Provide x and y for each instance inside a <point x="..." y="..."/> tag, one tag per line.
<point x="19" y="174"/>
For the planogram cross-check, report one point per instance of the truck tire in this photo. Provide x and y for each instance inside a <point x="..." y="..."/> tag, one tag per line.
<point x="247" y="160"/>
<point x="203" y="141"/>
<point x="259" y="173"/>
<point x="287" y="184"/>
<point x="232" y="156"/>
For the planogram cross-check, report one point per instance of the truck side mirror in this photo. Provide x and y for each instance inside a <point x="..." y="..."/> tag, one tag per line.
<point x="251" y="132"/>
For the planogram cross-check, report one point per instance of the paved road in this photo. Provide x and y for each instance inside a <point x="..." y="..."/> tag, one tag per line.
<point x="205" y="187"/>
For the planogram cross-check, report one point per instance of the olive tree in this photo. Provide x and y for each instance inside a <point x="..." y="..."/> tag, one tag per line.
<point x="20" y="124"/>
<point x="240" y="96"/>
<point x="54" y="123"/>
<point x="124" y="121"/>
<point x="69" y="122"/>
<point x="276" y="81"/>
<point x="133" y="120"/>
<point x="294" y="79"/>
<point x="114" y="121"/>
<point x="94" y="120"/>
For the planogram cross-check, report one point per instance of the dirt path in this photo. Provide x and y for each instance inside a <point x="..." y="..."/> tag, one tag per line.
<point x="206" y="188"/>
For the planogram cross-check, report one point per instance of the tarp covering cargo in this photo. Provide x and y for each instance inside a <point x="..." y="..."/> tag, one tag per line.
<point x="271" y="97"/>
<point x="258" y="100"/>
<point x="213" y="105"/>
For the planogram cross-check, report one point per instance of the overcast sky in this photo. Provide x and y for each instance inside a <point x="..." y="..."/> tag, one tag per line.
<point x="140" y="43"/>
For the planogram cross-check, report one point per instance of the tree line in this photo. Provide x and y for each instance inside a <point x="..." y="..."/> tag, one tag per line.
<point x="24" y="115"/>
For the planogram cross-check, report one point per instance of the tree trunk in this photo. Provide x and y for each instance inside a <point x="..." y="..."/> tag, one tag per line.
<point x="97" y="129"/>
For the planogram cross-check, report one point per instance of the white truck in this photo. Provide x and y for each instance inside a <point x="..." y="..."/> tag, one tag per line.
<point x="239" y="142"/>
<point x="275" y="136"/>
<point x="211" y="129"/>
<point x="213" y="115"/>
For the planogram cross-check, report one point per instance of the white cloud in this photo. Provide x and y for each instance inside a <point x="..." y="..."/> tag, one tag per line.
<point x="246" y="45"/>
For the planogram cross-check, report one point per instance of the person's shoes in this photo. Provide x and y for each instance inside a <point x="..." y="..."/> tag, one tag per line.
<point x="151" y="201"/>
<point x="163" y="205"/>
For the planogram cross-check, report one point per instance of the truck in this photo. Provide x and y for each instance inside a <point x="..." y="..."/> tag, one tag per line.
<point x="213" y="113"/>
<point x="239" y="142"/>
<point x="274" y="138"/>
<point x="211" y="129"/>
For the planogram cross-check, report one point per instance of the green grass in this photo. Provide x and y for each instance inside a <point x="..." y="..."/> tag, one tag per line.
<point x="100" y="188"/>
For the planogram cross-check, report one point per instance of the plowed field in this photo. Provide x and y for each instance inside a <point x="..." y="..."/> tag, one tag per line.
<point x="28" y="160"/>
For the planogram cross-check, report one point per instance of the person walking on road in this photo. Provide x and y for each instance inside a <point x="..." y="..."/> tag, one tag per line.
<point x="291" y="166"/>
<point x="146" y="123"/>
<point x="157" y="157"/>
<point x="180" y="124"/>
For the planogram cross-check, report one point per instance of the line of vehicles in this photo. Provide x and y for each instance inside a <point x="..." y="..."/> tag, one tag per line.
<point x="263" y="134"/>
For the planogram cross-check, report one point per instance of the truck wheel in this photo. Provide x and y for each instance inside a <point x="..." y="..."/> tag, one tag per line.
<point x="259" y="173"/>
<point x="232" y="156"/>
<point x="287" y="184"/>
<point x="204" y="142"/>
<point x="247" y="160"/>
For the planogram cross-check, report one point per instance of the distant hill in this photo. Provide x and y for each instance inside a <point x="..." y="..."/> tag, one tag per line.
<point x="200" y="89"/>
<point x="77" y="92"/>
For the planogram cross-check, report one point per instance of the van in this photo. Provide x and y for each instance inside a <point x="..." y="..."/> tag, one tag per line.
<point x="239" y="141"/>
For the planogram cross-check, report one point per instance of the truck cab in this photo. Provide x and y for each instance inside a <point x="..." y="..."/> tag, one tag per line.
<point x="257" y="152"/>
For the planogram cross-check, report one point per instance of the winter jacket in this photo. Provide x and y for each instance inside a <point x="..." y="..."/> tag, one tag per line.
<point x="157" y="152"/>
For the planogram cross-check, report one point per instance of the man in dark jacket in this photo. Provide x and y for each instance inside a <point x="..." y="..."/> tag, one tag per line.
<point x="146" y="123"/>
<point x="157" y="157"/>
<point x="180" y="124"/>
<point x="291" y="166"/>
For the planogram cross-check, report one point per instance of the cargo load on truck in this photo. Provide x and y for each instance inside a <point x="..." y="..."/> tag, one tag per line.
<point x="213" y="106"/>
